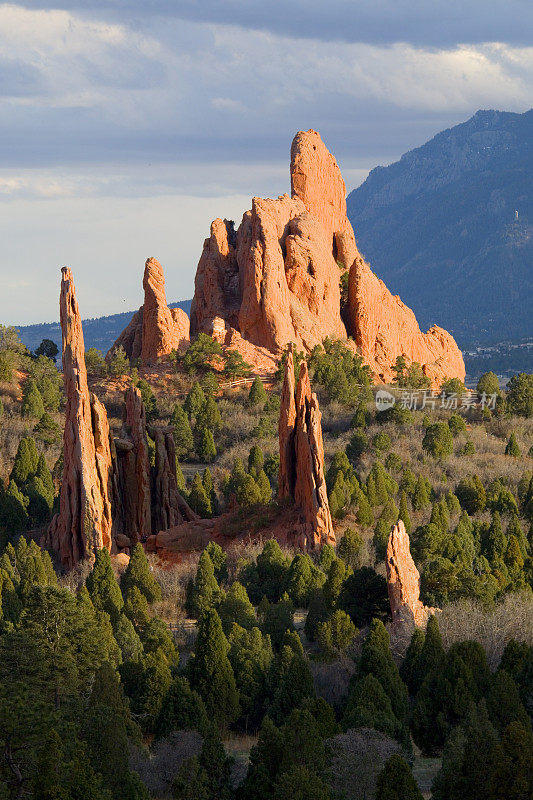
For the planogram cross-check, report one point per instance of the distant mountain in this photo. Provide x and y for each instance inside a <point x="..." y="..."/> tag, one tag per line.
<point x="99" y="332"/>
<point x="449" y="227"/>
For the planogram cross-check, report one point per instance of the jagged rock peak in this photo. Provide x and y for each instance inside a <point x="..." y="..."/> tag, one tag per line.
<point x="155" y="329"/>
<point x="83" y="524"/>
<point x="403" y="580"/>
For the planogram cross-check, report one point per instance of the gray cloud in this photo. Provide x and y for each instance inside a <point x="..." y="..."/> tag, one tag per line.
<point x="434" y="23"/>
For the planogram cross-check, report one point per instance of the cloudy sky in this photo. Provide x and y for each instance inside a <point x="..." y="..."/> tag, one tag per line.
<point x="127" y="125"/>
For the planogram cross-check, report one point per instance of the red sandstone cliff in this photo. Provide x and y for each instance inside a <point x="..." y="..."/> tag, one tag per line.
<point x="275" y="279"/>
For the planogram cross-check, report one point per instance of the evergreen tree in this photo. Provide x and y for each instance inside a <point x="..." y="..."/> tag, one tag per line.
<point x="396" y="781"/>
<point x="205" y="447"/>
<point x="236" y="608"/>
<point x="336" y="634"/>
<point x="183" y="437"/>
<point x="194" y="401"/>
<point x="106" y="724"/>
<point x="438" y="440"/>
<point x="265" y="490"/>
<point x="209" y="488"/>
<point x="364" y="597"/>
<point x="26" y="461"/>
<point x="32" y="402"/>
<point x="503" y="702"/>
<point x="404" y="512"/>
<point x="364" y="514"/>
<point x="420" y="495"/>
<point x="257" y="395"/>
<point x="265" y="760"/>
<point x="512" y="774"/>
<point x="327" y="555"/>
<point x="211" y="672"/>
<point x="463" y="773"/>
<point x="219" y="560"/>
<point x="292" y="680"/>
<point x="198" y="499"/>
<point x="350" y="547"/>
<point x="255" y="460"/>
<point x="181" y="709"/>
<point x="278" y="619"/>
<point x="209" y="416"/>
<point x="127" y="639"/>
<point x="251" y="657"/>
<point x="496" y="543"/>
<point x="368" y="706"/>
<point x="119" y="364"/>
<point x="103" y="587"/>
<point x="333" y="586"/>
<point x="301" y="783"/>
<point x="512" y="448"/>
<point x="138" y="574"/>
<point x="205" y="593"/>
<point x="409" y="668"/>
<point x="376" y="659"/>
<point x="248" y="492"/>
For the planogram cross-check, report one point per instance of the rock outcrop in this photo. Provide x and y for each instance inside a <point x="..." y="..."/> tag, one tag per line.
<point x="83" y="524"/>
<point x="384" y="328"/>
<point x="276" y="278"/>
<point x="110" y="495"/>
<point x="301" y="470"/>
<point x="155" y="329"/>
<point x="403" y="581"/>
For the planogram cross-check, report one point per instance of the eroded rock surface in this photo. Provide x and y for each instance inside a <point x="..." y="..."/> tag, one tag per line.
<point x="384" y="328"/>
<point x="155" y="329"/>
<point x="275" y="279"/>
<point x="301" y="471"/>
<point x="403" y="580"/>
<point x="84" y="522"/>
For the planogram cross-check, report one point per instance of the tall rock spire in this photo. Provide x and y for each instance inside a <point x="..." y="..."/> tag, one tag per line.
<point x="403" y="580"/>
<point x="301" y="469"/>
<point x="83" y="524"/>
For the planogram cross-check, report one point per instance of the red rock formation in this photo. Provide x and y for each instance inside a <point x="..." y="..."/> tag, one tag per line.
<point x="83" y="524"/>
<point x="275" y="280"/>
<point x="403" y="580"/>
<point x="133" y="465"/>
<point x="301" y="471"/>
<point x="384" y="328"/>
<point x="287" y="424"/>
<point x="168" y="507"/>
<point x="155" y="329"/>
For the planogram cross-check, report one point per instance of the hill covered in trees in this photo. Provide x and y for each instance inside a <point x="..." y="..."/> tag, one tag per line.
<point x="449" y="227"/>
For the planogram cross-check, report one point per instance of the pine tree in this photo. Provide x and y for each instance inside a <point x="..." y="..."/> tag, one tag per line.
<point x="248" y="492"/>
<point x="211" y="672"/>
<point x="396" y="781"/>
<point x="183" y="437"/>
<point x="206" y="591"/>
<point x="293" y="682"/>
<point x="198" y="499"/>
<point x="503" y="702"/>
<point x="207" y="483"/>
<point x="32" y="402"/>
<point x="205" y="447"/>
<point x="194" y="401"/>
<point x="512" y="448"/>
<point x="409" y="668"/>
<point x="255" y="460"/>
<point x="251" y="657"/>
<point x="496" y="543"/>
<point x="182" y="709"/>
<point x="376" y="659"/>
<point x="265" y="489"/>
<point x="512" y="775"/>
<point x="209" y="416"/>
<point x="127" y="639"/>
<point x="265" y="760"/>
<point x="364" y="514"/>
<point x="138" y="573"/>
<point x="420" y="495"/>
<point x="404" y="512"/>
<point x="103" y="587"/>
<point x="219" y="561"/>
<point x="26" y="461"/>
<point x="257" y="395"/>
<point x="336" y="634"/>
<point x="334" y="582"/>
<point x="236" y="608"/>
